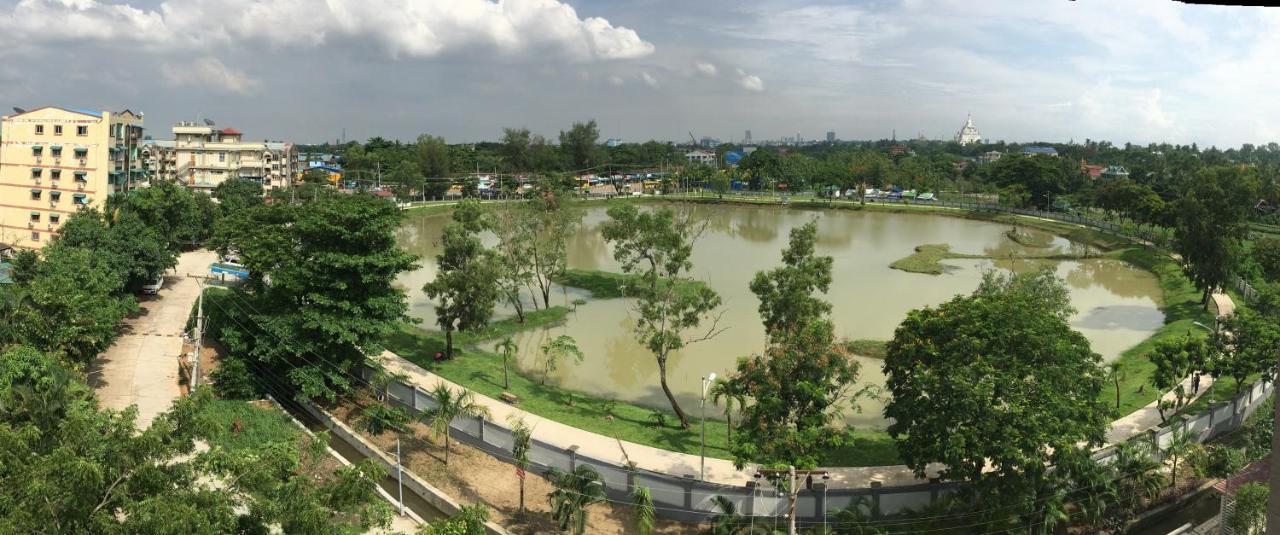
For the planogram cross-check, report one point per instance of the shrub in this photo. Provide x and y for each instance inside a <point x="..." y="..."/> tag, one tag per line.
<point x="233" y="380"/>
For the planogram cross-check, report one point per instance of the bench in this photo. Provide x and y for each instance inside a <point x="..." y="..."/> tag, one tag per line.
<point x="509" y="397"/>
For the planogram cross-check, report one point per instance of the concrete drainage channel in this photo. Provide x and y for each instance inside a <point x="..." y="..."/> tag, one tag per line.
<point x="417" y="508"/>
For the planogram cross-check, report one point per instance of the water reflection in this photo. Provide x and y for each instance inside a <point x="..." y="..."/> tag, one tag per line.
<point x="1117" y="303"/>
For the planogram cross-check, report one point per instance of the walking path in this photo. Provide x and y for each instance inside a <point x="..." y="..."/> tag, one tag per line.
<point x="720" y="471"/>
<point x="141" y="368"/>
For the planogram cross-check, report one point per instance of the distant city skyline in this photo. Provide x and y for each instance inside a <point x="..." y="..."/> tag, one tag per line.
<point x="1141" y="71"/>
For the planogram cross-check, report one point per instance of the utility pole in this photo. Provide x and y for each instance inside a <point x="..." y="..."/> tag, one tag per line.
<point x="195" y="366"/>
<point x="1273" y="500"/>
<point x="792" y="489"/>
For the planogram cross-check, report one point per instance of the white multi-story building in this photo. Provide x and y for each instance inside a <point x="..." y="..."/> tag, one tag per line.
<point x="968" y="133"/>
<point x="202" y="156"/>
<point x="703" y="157"/>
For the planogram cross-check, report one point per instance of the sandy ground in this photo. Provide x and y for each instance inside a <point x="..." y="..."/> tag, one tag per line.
<point x="473" y="476"/>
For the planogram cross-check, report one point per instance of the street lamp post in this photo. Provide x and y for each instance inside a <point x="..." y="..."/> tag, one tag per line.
<point x="702" y="466"/>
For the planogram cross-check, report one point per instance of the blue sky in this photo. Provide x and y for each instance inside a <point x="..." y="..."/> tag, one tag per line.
<point x="1125" y="71"/>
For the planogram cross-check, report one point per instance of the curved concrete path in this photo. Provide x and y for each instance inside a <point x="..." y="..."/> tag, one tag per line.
<point x="141" y="368"/>
<point x="718" y="470"/>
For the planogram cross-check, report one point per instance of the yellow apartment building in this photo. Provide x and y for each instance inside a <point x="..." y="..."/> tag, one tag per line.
<point x="55" y="161"/>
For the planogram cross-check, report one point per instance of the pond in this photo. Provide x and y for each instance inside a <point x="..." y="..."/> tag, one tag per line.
<point x="1117" y="304"/>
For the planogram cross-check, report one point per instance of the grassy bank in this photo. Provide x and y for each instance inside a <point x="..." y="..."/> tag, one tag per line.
<point x="872" y="349"/>
<point x="1028" y="239"/>
<point x="928" y="259"/>
<point x="1181" y="308"/>
<point x="503" y="328"/>
<point x="609" y="285"/>
<point x="240" y="426"/>
<point x="481" y="371"/>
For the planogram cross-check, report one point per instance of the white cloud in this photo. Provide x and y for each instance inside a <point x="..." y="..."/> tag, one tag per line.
<point x="210" y="73"/>
<point x="707" y="69"/>
<point x="616" y="80"/>
<point x="649" y="80"/>
<point x="403" y="28"/>
<point x="750" y="82"/>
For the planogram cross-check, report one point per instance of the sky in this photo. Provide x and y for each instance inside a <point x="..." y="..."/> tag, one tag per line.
<point x="307" y="70"/>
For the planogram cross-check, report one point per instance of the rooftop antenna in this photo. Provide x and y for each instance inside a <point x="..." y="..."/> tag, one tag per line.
<point x="18" y="110"/>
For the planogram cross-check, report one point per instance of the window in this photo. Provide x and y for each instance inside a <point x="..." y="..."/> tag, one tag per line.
<point x="53" y="218"/>
<point x="35" y="236"/>
<point x="36" y="150"/>
<point x="222" y="156"/>
<point x="55" y="196"/>
<point x="39" y="130"/>
<point x="57" y="129"/>
<point x="82" y="130"/>
<point x="35" y="217"/>
<point x="81" y="152"/>
<point x="35" y="194"/>
<point x="55" y="173"/>
<point x="57" y="151"/>
<point x="80" y="177"/>
<point x="35" y="173"/>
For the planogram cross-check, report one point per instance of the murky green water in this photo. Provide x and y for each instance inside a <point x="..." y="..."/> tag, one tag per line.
<point x="1117" y="304"/>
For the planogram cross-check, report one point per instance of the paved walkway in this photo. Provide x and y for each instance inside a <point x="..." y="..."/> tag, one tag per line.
<point x="718" y="470"/>
<point x="142" y="367"/>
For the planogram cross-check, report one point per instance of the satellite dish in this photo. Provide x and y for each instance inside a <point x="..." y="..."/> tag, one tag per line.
<point x="18" y="110"/>
<point x="208" y="122"/>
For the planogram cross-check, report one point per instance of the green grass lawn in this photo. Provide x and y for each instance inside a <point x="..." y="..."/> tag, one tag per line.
<point x="238" y="425"/>
<point x="505" y="327"/>
<point x="481" y="371"/>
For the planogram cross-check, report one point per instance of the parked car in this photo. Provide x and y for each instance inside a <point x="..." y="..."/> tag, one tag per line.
<point x="153" y="287"/>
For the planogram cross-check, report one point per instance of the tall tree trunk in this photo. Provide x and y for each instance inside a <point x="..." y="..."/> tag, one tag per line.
<point x="662" y="378"/>
<point x="522" y="495"/>
<point x="507" y="385"/>
<point x="1117" y="393"/>
<point x="448" y="343"/>
<point x="446" y="444"/>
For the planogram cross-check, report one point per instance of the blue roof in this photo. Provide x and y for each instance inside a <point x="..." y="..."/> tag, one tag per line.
<point x="84" y="111"/>
<point x="1039" y="150"/>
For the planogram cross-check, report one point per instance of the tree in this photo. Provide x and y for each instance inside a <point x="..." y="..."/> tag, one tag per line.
<point x="1039" y="176"/>
<point x="515" y="150"/>
<point x="1212" y="223"/>
<point x="378" y="418"/>
<point x="579" y="144"/>
<point x="508" y="349"/>
<point x="332" y="264"/>
<point x="450" y="405"/>
<point x="1175" y="360"/>
<point x="1180" y="444"/>
<point x="127" y="246"/>
<point x="183" y="218"/>
<point x="1117" y="374"/>
<point x="14" y="300"/>
<point x="469" y="521"/>
<point x="656" y="247"/>
<point x="799" y="385"/>
<point x="511" y="224"/>
<point x="642" y="502"/>
<point x="546" y="224"/>
<point x="556" y="349"/>
<point x="317" y="177"/>
<point x="111" y="477"/>
<point x="236" y="194"/>
<point x="1266" y="253"/>
<point x="465" y="288"/>
<point x="1246" y="343"/>
<point x="406" y="176"/>
<point x="1249" y="515"/>
<point x="77" y="304"/>
<point x="573" y="493"/>
<point x="431" y="156"/>
<point x="720" y="184"/>
<point x="735" y="399"/>
<point x="995" y="386"/>
<point x="521" y="435"/>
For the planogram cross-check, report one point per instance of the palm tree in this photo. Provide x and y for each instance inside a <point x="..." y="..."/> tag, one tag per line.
<point x="1180" y="442"/>
<point x="520" y="437"/>
<point x="1116" y="372"/>
<point x="643" y="503"/>
<point x="450" y="404"/>
<point x="734" y="399"/>
<point x="1137" y="475"/>
<point x="573" y="493"/>
<point x="508" y="348"/>
<point x="14" y="299"/>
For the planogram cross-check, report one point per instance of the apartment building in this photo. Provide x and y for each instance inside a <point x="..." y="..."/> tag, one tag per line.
<point x="55" y="161"/>
<point x="201" y="156"/>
